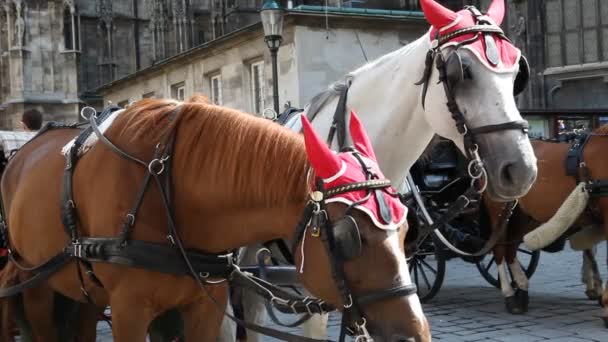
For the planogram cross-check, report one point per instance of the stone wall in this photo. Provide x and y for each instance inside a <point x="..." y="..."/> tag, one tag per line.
<point x="308" y="62"/>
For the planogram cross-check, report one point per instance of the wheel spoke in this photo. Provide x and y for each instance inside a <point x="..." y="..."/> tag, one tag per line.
<point x="490" y="264"/>
<point x="524" y="251"/>
<point x="426" y="281"/>
<point x="424" y="263"/>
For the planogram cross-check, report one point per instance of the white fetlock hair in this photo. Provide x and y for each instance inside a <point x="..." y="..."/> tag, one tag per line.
<point x="565" y="216"/>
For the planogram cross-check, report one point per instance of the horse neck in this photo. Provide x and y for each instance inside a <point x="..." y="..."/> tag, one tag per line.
<point x="385" y="98"/>
<point x="213" y="216"/>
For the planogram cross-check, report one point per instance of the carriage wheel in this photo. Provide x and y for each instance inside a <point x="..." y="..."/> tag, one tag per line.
<point x="427" y="268"/>
<point x="527" y="259"/>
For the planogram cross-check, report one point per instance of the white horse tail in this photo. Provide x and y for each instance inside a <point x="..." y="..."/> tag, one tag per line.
<point x="565" y="216"/>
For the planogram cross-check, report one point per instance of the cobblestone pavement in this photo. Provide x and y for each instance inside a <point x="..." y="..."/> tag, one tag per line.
<point x="468" y="309"/>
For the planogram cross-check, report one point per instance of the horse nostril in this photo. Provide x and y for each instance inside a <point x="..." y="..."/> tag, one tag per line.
<point x="507" y="173"/>
<point x="402" y="338"/>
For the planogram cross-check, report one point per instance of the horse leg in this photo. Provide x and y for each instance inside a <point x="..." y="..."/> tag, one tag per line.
<point x="203" y="317"/>
<point x="38" y="308"/>
<point x="519" y="277"/>
<point x="590" y="275"/>
<point x="128" y="323"/>
<point x="88" y="315"/>
<point x="503" y="278"/>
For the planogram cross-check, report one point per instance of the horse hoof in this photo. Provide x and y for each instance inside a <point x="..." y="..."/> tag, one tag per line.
<point x="522" y="299"/>
<point x="513" y="305"/>
<point x="592" y="294"/>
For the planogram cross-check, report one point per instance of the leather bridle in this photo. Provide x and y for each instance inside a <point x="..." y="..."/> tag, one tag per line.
<point x="487" y="29"/>
<point x="353" y="318"/>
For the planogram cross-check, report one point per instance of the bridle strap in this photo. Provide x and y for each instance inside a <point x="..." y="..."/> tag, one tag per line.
<point x="366" y="185"/>
<point x="471" y="29"/>
<point x="522" y="125"/>
<point x="400" y="291"/>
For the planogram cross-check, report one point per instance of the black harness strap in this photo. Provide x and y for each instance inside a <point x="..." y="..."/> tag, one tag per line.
<point x="577" y="167"/>
<point x="522" y="125"/>
<point x="341" y="121"/>
<point x="575" y="162"/>
<point x="41" y="273"/>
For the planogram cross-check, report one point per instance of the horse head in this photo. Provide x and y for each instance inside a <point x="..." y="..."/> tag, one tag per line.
<point x="474" y="68"/>
<point x="351" y="255"/>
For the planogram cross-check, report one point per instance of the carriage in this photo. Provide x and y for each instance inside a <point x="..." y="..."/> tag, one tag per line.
<point x="11" y="142"/>
<point x="436" y="181"/>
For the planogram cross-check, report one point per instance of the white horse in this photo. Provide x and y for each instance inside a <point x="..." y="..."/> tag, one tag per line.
<point x="387" y="100"/>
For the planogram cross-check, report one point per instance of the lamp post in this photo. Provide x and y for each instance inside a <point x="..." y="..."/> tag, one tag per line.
<point x="272" y="20"/>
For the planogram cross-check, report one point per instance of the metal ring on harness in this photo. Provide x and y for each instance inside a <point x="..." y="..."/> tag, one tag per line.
<point x="83" y="111"/>
<point x="475" y="168"/>
<point x="271" y="117"/>
<point x="154" y="163"/>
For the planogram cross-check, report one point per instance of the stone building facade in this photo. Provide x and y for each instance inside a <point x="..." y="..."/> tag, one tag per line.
<point x="55" y="53"/>
<point x="235" y="70"/>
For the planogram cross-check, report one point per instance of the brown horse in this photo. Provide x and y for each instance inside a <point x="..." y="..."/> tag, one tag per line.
<point x="237" y="180"/>
<point x="556" y="201"/>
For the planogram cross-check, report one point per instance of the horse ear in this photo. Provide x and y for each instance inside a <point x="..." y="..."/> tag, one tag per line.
<point x="322" y="159"/>
<point x="360" y="138"/>
<point x="497" y="11"/>
<point x="436" y="14"/>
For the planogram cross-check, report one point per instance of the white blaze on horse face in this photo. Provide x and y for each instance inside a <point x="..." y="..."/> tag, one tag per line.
<point x="505" y="283"/>
<point x="404" y="273"/>
<point x="519" y="275"/>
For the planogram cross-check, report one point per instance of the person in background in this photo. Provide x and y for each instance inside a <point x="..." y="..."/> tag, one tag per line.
<point x="31" y="120"/>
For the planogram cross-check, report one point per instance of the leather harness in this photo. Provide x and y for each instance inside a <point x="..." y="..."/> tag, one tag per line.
<point x="174" y="258"/>
<point x="577" y="167"/>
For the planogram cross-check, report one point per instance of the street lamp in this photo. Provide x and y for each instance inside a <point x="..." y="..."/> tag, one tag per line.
<point x="272" y="20"/>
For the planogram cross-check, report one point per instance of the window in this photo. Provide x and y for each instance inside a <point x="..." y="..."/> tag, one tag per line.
<point x="149" y="95"/>
<point x="71" y="28"/>
<point x="178" y="91"/>
<point x="257" y="86"/>
<point x="576" y="32"/>
<point x="216" y="89"/>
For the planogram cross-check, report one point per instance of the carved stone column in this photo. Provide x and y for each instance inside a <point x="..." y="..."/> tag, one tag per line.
<point x="106" y="28"/>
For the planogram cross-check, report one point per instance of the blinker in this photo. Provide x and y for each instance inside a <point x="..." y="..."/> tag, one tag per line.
<point x="346" y="238"/>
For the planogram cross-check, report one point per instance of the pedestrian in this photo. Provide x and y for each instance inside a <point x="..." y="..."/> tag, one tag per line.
<point x="31" y="120"/>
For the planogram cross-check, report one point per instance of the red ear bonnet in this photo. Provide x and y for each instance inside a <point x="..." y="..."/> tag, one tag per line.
<point x="344" y="168"/>
<point x="360" y="138"/>
<point x="445" y="21"/>
<point x="325" y="163"/>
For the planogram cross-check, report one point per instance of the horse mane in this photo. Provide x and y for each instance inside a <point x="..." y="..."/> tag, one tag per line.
<point x="603" y="129"/>
<point x="253" y="158"/>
